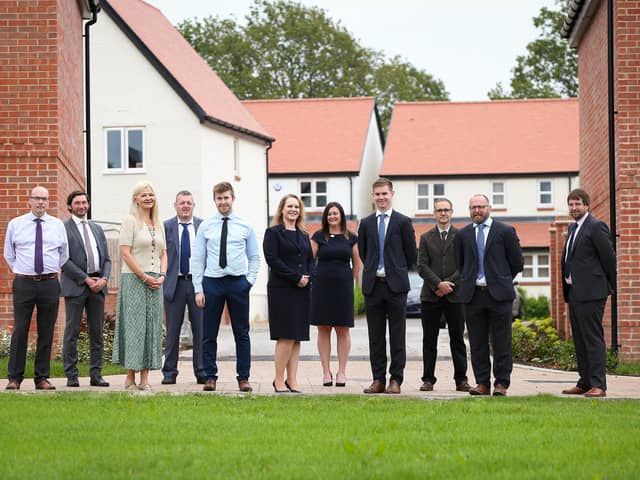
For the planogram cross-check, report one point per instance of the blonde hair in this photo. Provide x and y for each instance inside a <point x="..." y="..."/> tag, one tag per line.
<point x="277" y="218"/>
<point x="135" y="210"/>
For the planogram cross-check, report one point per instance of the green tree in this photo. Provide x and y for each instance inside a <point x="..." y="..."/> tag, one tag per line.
<point x="550" y="67"/>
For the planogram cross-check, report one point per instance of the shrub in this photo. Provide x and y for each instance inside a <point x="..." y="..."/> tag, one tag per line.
<point x="358" y="301"/>
<point x="5" y="343"/>
<point x="537" y="342"/>
<point x="84" y="344"/>
<point x="534" y="308"/>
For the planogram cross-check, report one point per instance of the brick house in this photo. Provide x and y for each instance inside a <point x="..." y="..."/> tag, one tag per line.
<point x="586" y="29"/>
<point x="42" y="118"/>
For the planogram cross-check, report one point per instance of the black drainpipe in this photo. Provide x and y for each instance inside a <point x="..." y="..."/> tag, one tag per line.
<point x="612" y="167"/>
<point x="351" y="196"/>
<point x="87" y="99"/>
<point x="266" y="154"/>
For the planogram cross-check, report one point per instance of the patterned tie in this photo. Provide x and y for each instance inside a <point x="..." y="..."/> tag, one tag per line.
<point x="480" y="245"/>
<point x="566" y="271"/>
<point x="443" y="234"/>
<point x="223" y="243"/>
<point x="185" y="249"/>
<point x="38" y="263"/>
<point x="381" y="233"/>
<point x="91" y="261"/>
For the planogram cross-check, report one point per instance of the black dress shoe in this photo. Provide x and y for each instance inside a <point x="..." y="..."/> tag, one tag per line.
<point x="171" y="380"/>
<point x="200" y="380"/>
<point x="73" y="382"/>
<point x="98" y="382"/>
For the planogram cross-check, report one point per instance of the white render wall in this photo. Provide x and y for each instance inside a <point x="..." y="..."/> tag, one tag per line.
<point x="338" y="190"/>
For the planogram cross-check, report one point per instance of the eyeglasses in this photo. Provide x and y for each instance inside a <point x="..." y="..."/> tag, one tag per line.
<point x="39" y="199"/>
<point x="443" y="210"/>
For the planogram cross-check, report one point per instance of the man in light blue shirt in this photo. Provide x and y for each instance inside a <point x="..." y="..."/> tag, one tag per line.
<point x="225" y="265"/>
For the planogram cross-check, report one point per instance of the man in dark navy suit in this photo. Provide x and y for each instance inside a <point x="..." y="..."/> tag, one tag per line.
<point x="489" y="258"/>
<point x="588" y="278"/>
<point x="387" y="246"/>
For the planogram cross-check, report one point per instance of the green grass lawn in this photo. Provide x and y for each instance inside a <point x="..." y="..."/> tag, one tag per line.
<point x="57" y="369"/>
<point x="116" y="435"/>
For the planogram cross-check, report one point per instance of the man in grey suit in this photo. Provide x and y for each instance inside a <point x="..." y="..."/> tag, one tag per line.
<point x="178" y="289"/>
<point x="84" y="286"/>
<point x="440" y="296"/>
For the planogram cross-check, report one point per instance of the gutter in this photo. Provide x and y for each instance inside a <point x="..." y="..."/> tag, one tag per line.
<point x="87" y="97"/>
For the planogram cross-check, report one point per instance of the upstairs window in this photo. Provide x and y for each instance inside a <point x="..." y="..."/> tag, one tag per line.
<point x="497" y="195"/>
<point x="545" y="193"/>
<point x="313" y="193"/>
<point x="125" y="149"/>
<point x="426" y="193"/>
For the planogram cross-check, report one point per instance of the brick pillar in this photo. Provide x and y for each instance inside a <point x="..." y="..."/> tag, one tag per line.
<point x="559" y="309"/>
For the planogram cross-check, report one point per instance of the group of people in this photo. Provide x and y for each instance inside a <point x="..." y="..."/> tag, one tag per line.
<point x="201" y="265"/>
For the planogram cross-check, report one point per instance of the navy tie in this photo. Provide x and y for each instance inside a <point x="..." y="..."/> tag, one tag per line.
<point x="381" y="233"/>
<point x="480" y="245"/>
<point x="38" y="263"/>
<point x="223" y="243"/>
<point x="566" y="271"/>
<point x="185" y="249"/>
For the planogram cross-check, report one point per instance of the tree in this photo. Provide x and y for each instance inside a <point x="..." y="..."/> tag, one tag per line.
<point x="550" y="67"/>
<point x="287" y="50"/>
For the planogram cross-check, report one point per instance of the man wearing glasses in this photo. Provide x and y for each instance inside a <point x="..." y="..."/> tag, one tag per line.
<point x="489" y="258"/>
<point x="36" y="249"/>
<point x="440" y="296"/>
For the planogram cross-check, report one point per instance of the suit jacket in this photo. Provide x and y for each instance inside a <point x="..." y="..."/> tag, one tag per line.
<point x="74" y="271"/>
<point x="437" y="263"/>
<point x="592" y="265"/>
<point x="172" y="232"/>
<point x="399" y="252"/>
<point x="502" y="261"/>
<point x="287" y="260"/>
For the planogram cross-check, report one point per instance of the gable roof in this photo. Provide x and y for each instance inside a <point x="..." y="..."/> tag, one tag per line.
<point x="504" y="137"/>
<point x="181" y="66"/>
<point x="318" y="135"/>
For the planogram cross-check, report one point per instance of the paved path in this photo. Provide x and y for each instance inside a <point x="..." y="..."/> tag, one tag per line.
<point x="524" y="381"/>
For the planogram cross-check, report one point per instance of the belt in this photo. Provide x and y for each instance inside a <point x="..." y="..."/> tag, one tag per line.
<point x="381" y="279"/>
<point x="95" y="274"/>
<point x="37" y="278"/>
<point x="185" y="277"/>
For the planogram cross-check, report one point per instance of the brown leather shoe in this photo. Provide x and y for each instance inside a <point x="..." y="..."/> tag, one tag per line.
<point x="376" y="387"/>
<point x="426" y="387"/>
<point x="209" y="385"/>
<point x="12" y="385"/>
<point x="394" y="387"/>
<point x="595" y="393"/>
<point x="463" y="387"/>
<point x="44" y="385"/>
<point x="244" y="386"/>
<point x="574" y="391"/>
<point x="479" y="390"/>
<point x="499" y="390"/>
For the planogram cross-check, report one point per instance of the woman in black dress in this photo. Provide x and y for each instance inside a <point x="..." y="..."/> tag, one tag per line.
<point x="332" y="301"/>
<point x="288" y="253"/>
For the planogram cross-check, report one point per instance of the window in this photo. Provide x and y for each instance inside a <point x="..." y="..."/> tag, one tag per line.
<point x="427" y="192"/>
<point x="313" y="193"/>
<point x="536" y="266"/>
<point x="497" y="194"/>
<point x="545" y="196"/>
<point x="125" y="147"/>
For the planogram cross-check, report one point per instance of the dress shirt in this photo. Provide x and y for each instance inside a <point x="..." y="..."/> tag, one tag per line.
<point x="192" y="238"/>
<point x="380" y="272"/>
<point x="243" y="254"/>
<point x="482" y="281"/>
<point x="20" y="241"/>
<point x="92" y="240"/>
<point x="579" y="224"/>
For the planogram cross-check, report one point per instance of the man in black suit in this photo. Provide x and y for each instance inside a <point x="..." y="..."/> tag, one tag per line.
<point x="489" y="258"/>
<point x="178" y="289"/>
<point x="588" y="278"/>
<point x="387" y="246"/>
<point x="84" y="287"/>
<point x="440" y="296"/>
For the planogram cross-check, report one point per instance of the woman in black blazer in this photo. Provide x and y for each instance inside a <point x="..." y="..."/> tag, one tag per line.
<point x="288" y="253"/>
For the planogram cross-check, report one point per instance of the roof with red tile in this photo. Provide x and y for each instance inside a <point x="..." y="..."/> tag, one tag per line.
<point x="531" y="235"/>
<point x="480" y="138"/>
<point x="315" y="135"/>
<point x="191" y="77"/>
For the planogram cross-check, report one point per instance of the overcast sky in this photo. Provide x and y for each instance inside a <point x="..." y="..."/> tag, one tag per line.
<point x="468" y="44"/>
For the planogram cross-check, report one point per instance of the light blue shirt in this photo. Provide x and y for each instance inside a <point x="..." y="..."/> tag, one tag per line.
<point x="20" y="242"/>
<point x="243" y="254"/>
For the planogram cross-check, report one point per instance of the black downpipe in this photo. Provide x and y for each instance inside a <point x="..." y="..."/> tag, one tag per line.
<point x="266" y="155"/>
<point x="87" y="100"/>
<point x="612" y="168"/>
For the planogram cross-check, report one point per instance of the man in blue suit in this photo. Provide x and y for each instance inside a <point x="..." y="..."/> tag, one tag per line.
<point x="489" y="258"/>
<point x="178" y="288"/>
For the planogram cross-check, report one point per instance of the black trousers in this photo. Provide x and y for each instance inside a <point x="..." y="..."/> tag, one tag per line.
<point x="454" y="314"/>
<point x="588" y="337"/>
<point x="44" y="295"/>
<point x="489" y="319"/>
<point x="381" y="306"/>
<point x="93" y="303"/>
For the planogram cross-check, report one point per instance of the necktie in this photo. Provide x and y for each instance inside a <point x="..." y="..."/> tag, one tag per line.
<point x="566" y="271"/>
<point x="38" y="263"/>
<point x="381" y="233"/>
<point x="443" y="234"/>
<point x="223" y="243"/>
<point x="480" y="245"/>
<point x="91" y="261"/>
<point x="185" y="249"/>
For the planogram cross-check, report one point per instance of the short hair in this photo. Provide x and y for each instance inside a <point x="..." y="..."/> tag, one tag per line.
<point x="442" y="199"/>
<point x="223" y="187"/>
<point x="480" y="195"/>
<point x="579" y="194"/>
<point x="74" y="194"/>
<point x="382" y="182"/>
<point x="183" y="193"/>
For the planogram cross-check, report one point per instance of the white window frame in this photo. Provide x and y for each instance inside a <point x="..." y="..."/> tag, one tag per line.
<point x="430" y="196"/>
<point x="124" y="147"/>
<point x="494" y="203"/>
<point x="535" y="266"/>
<point x="313" y="195"/>
<point x="549" y="192"/>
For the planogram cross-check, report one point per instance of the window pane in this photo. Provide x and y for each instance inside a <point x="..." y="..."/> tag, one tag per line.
<point x="306" y="200"/>
<point x="498" y="187"/>
<point x="321" y="187"/>
<point x="543" y="272"/>
<point x="527" y="272"/>
<point x="134" y="139"/>
<point x="423" y="204"/>
<point x="543" y="259"/>
<point x="545" y="186"/>
<point x="305" y="187"/>
<point x="545" y="198"/>
<point x="423" y="189"/>
<point x="498" y="199"/>
<point x="321" y="200"/>
<point x="438" y="189"/>
<point x="114" y="149"/>
<point x="528" y="260"/>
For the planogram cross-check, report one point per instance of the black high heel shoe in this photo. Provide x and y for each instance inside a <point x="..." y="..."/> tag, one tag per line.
<point x="280" y="391"/>
<point x="291" y="389"/>
<point x="329" y="383"/>
<point x="340" y="384"/>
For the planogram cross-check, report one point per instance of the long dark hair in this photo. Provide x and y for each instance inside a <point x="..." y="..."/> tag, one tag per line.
<point x="325" y="222"/>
